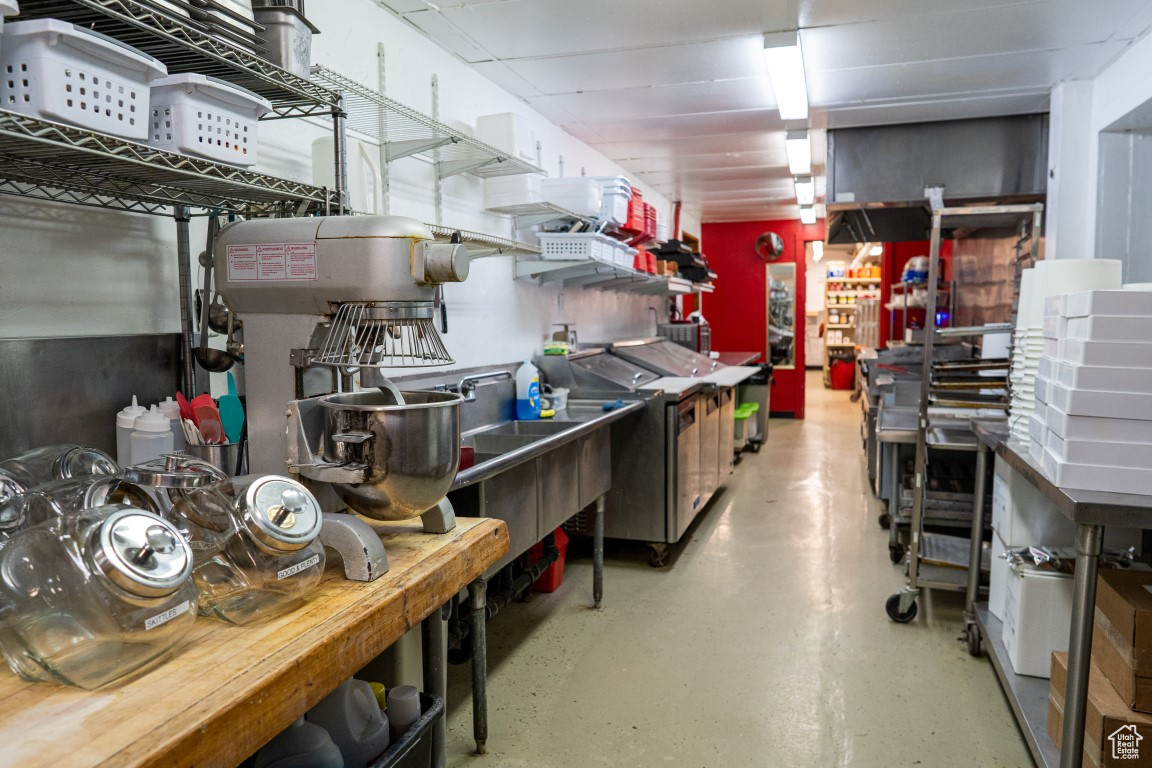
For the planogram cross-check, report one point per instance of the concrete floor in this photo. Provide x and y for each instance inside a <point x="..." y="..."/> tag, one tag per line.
<point x="763" y="643"/>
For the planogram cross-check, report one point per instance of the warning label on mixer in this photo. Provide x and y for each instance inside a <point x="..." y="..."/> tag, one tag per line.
<point x="276" y="261"/>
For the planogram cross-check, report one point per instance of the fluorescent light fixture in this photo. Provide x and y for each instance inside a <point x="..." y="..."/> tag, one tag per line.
<point x="817" y="249"/>
<point x="799" y="152"/>
<point x="785" y="63"/>
<point x="806" y="191"/>
<point x="808" y="216"/>
<point x="876" y="250"/>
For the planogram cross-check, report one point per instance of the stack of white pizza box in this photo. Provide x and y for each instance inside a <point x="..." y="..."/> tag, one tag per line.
<point x="1091" y="427"/>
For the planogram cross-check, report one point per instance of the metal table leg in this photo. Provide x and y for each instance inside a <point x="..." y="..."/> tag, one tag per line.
<point x="477" y="593"/>
<point x="1089" y="543"/>
<point x="598" y="554"/>
<point x="971" y="632"/>
<point x="893" y="499"/>
<point x="433" y="641"/>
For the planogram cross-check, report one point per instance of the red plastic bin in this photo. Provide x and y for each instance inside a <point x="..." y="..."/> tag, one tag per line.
<point x="552" y="578"/>
<point x="843" y="374"/>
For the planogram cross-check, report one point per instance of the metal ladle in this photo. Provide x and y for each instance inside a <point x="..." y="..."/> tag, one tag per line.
<point x="213" y="360"/>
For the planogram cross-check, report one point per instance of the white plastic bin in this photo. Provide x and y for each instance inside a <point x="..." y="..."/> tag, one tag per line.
<point x="1037" y="615"/>
<point x="509" y="132"/>
<point x="199" y="115"/>
<point x="57" y="71"/>
<point x="8" y="8"/>
<point x="510" y="191"/>
<point x="579" y="194"/>
<point x="576" y="246"/>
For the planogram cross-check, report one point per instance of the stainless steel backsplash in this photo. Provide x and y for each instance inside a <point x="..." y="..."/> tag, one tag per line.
<point x="68" y="390"/>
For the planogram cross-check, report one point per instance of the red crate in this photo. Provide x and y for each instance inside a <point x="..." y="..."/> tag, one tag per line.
<point x="636" y="208"/>
<point x="552" y="578"/>
<point x="650" y="220"/>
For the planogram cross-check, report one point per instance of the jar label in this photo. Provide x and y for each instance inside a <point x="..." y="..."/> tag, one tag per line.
<point x="163" y="618"/>
<point x="295" y="569"/>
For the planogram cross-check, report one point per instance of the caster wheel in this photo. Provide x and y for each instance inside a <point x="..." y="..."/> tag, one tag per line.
<point x="755" y="447"/>
<point x="972" y="638"/>
<point x="885" y="520"/>
<point x="896" y="553"/>
<point x="658" y="555"/>
<point x="893" y="609"/>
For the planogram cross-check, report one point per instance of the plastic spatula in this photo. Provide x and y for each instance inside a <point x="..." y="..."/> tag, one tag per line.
<point x="185" y="406"/>
<point x="231" y="412"/>
<point x="208" y="422"/>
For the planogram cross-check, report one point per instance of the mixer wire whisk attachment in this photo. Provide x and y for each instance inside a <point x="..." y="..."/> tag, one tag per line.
<point x="383" y="335"/>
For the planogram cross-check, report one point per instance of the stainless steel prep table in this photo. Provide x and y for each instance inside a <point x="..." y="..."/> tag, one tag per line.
<point x="1091" y="511"/>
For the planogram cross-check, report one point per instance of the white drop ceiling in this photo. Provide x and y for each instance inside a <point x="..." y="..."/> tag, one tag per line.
<point x="676" y="90"/>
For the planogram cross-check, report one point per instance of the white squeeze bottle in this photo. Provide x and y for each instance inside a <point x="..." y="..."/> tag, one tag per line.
<point x="353" y="719"/>
<point x="125" y="423"/>
<point x="171" y="409"/>
<point x="151" y="438"/>
<point x="527" y="391"/>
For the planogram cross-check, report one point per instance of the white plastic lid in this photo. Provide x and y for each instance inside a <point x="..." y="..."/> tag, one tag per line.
<point x="153" y="421"/>
<point x="169" y="408"/>
<point x="127" y="417"/>
<point x="9" y="8"/>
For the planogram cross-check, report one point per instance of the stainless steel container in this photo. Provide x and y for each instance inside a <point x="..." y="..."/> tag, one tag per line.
<point x="411" y="452"/>
<point x="287" y="38"/>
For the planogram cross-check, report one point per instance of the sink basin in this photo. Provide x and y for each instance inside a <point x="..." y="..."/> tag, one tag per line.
<point x="532" y="428"/>
<point x="497" y="443"/>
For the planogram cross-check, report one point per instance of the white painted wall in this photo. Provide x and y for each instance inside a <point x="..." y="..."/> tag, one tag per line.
<point x="75" y="271"/>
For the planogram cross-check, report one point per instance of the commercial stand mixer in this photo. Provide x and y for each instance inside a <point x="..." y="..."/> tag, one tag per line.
<point x="348" y="297"/>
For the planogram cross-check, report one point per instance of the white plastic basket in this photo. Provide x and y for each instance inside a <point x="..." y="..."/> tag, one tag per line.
<point x="203" y="116"/>
<point x="576" y="246"/>
<point x="57" y="71"/>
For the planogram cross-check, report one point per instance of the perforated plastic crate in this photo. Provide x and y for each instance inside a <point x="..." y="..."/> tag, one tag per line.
<point x="199" y="115"/>
<point x="8" y="8"/>
<point x="576" y="246"/>
<point x="57" y="71"/>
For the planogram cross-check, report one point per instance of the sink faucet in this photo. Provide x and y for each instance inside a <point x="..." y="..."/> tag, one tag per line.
<point x="467" y="385"/>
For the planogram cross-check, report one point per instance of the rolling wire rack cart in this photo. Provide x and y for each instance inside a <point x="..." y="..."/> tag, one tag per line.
<point x="942" y="562"/>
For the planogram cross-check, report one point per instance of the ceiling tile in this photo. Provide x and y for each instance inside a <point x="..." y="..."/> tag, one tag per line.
<point x="681" y="126"/>
<point x="755" y="141"/>
<point x="536" y="28"/>
<point x="508" y="79"/>
<point x="717" y="60"/>
<point x="448" y="36"/>
<point x="662" y="101"/>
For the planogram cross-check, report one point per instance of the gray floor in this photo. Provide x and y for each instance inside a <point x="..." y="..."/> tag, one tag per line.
<point x="764" y="642"/>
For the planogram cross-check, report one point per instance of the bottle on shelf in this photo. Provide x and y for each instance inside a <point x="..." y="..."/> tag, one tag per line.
<point x="151" y="438"/>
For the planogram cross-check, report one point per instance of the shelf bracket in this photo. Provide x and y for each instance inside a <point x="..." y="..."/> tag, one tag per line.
<point x="446" y="168"/>
<point x="526" y="220"/>
<point x="398" y="149"/>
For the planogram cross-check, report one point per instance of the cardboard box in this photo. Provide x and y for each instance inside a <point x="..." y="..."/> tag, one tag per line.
<point x="1122" y="635"/>
<point x="1106" y="716"/>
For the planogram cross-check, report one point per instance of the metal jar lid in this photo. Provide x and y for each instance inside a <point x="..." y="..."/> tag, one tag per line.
<point x="82" y="461"/>
<point x="117" y="490"/>
<point x="281" y="514"/>
<point x="141" y="553"/>
<point x="174" y="470"/>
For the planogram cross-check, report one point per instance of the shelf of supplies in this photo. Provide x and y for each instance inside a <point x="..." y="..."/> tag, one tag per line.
<point x="50" y="161"/>
<point x="185" y="45"/>
<point x="404" y="132"/>
<point x="1028" y="696"/>
<point x="847" y="344"/>
<point x="976" y="330"/>
<point x="527" y="215"/>
<point x="482" y="246"/>
<point x="839" y="325"/>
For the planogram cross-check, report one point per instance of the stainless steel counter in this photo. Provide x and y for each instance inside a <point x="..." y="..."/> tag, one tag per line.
<point x="739" y="358"/>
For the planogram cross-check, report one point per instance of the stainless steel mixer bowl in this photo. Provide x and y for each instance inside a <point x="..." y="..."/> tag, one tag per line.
<point x="412" y="450"/>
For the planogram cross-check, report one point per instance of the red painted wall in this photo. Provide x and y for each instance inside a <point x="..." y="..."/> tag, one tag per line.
<point x="737" y="310"/>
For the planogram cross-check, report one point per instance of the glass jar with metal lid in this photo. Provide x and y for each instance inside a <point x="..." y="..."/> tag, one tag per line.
<point x="255" y="540"/>
<point x="172" y="476"/>
<point x="11" y="518"/>
<point x="59" y="497"/>
<point x="88" y="597"/>
<point x="57" y="462"/>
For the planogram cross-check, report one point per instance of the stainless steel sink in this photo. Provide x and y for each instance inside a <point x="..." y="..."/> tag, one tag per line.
<point x="536" y="429"/>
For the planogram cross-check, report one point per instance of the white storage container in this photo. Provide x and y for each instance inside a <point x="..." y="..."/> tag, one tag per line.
<point x="1037" y="428"/>
<point x="199" y="115"/>
<point x="57" y="71"/>
<point x="8" y="8"/>
<point x="1041" y="388"/>
<point x="1025" y="518"/>
<point x="1046" y="367"/>
<point x="576" y="246"/>
<point x="1037" y="617"/>
<point x="1096" y="428"/>
<point x="511" y="191"/>
<point x="579" y="194"/>
<point x="365" y="184"/>
<point x="509" y="132"/>
<point x="1138" y="455"/>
